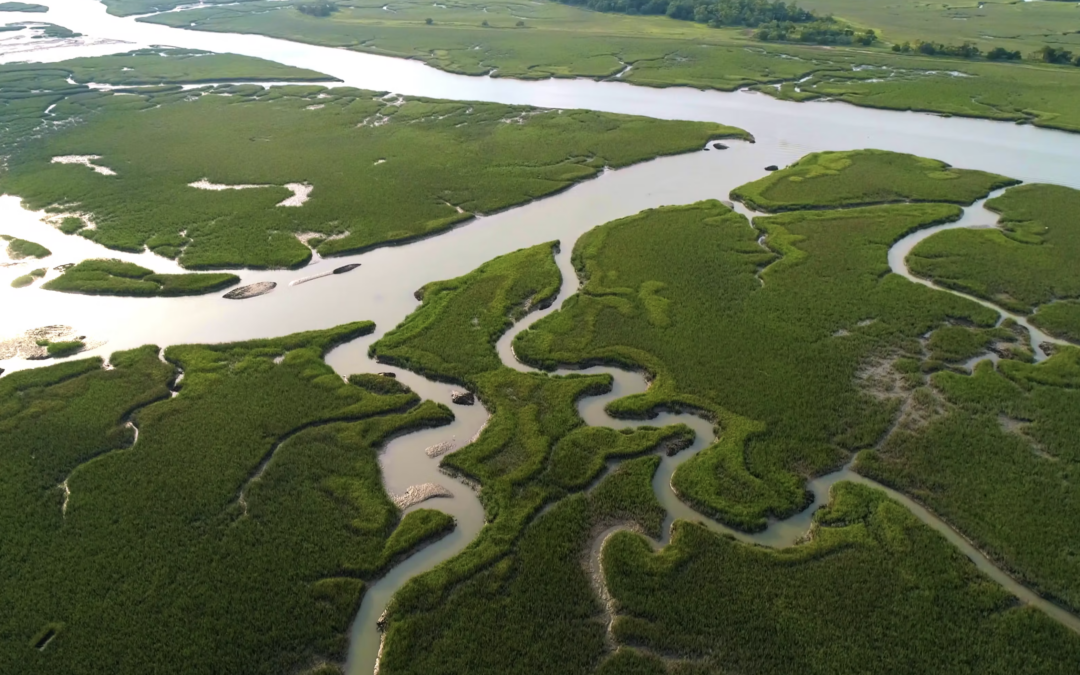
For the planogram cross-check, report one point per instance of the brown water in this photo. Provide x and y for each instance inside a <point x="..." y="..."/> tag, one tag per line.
<point x="381" y="289"/>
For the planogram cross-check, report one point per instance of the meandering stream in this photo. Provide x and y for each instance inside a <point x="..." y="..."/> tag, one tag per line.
<point x="381" y="289"/>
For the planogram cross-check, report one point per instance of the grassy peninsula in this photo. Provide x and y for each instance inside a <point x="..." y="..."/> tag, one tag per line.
<point x="861" y="177"/>
<point x="115" y="277"/>
<point x="239" y="528"/>
<point x="1028" y="261"/>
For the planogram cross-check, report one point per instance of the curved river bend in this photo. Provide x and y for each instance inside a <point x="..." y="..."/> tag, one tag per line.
<point x="381" y="289"/>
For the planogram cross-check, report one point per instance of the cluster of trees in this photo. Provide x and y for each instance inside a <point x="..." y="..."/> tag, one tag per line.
<point x="751" y="13"/>
<point x="318" y="8"/>
<point x="822" y="32"/>
<point x="966" y="50"/>
<point x="1060" y="55"/>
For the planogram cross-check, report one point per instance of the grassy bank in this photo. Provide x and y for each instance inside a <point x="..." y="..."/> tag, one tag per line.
<point x="115" y="277"/>
<point x="863" y="177"/>
<point x="377" y="170"/>
<point x="548" y="39"/>
<point x="240" y="529"/>
<point x="1027" y="262"/>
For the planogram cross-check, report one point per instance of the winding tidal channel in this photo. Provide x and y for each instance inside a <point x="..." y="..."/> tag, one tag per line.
<point x="382" y="288"/>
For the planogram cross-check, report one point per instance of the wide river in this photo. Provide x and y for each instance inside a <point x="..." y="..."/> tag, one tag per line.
<point x="382" y="288"/>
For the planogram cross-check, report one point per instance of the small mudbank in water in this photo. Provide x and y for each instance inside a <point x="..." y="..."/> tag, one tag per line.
<point x="346" y="268"/>
<point x="34" y="343"/>
<point x="420" y="493"/>
<point x="251" y="291"/>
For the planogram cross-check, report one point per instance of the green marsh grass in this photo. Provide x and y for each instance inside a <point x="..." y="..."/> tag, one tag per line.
<point x="865" y="177"/>
<point x="240" y="529"/>
<point x="115" y="277"/>
<point x="441" y="163"/>
<point x="1028" y="261"/>
<point x="18" y="249"/>
<point x="769" y="342"/>
<point x="874" y="590"/>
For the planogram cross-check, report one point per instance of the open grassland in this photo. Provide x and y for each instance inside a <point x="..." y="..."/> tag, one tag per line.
<point x="862" y="177"/>
<point x="769" y="341"/>
<point x="874" y="590"/>
<point x="239" y="529"/>
<point x="375" y="170"/>
<point x="1001" y="461"/>
<point x="534" y="450"/>
<point x="1030" y="260"/>
<point x="114" y="277"/>
<point x="18" y="249"/>
<point x="529" y="40"/>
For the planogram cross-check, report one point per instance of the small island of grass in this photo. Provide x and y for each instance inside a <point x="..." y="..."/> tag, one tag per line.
<point x="865" y="177"/>
<point x="23" y="7"/>
<point x="115" y="277"/>
<point x="18" y="249"/>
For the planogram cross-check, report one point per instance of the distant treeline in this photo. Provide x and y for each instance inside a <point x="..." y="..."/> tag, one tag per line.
<point x="321" y="8"/>
<point x="716" y="13"/>
<point x="826" y="31"/>
<point x="1047" y="54"/>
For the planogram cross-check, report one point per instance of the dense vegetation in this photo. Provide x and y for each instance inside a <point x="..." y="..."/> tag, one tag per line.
<point x="17" y="249"/>
<point x="874" y="590"/>
<point x="1059" y="318"/>
<point x="239" y="530"/>
<point x="769" y="341"/>
<point x="861" y="177"/>
<point x="508" y="38"/>
<point x="115" y="277"/>
<point x="533" y="451"/>
<point x="716" y="13"/>
<point x="442" y="162"/>
<point x="25" y="280"/>
<point x="1000" y="460"/>
<point x="1026" y="262"/>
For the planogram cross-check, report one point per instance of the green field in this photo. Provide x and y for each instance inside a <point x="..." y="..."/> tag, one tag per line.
<point x="239" y="530"/>
<point x="861" y="177"/>
<point x="378" y="170"/>
<point x="114" y="277"/>
<point x="1029" y="261"/>
<point x="530" y="40"/>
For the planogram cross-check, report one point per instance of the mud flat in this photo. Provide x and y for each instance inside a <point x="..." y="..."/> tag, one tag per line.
<point x="251" y="290"/>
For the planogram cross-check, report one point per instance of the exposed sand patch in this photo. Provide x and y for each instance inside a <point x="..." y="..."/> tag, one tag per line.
<point x="419" y="493"/>
<point x="300" y="191"/>
<point x="85" y="160"/>
<point x="26" y="346"/>
<point x="439" y="449"/>
<point x="251" y="290"/>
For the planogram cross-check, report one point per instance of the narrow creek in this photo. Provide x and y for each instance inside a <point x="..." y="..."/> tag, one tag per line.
<point x="382" y="288"/>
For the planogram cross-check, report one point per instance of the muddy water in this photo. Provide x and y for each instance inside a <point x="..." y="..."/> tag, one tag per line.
<point x="381" y="289"/>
